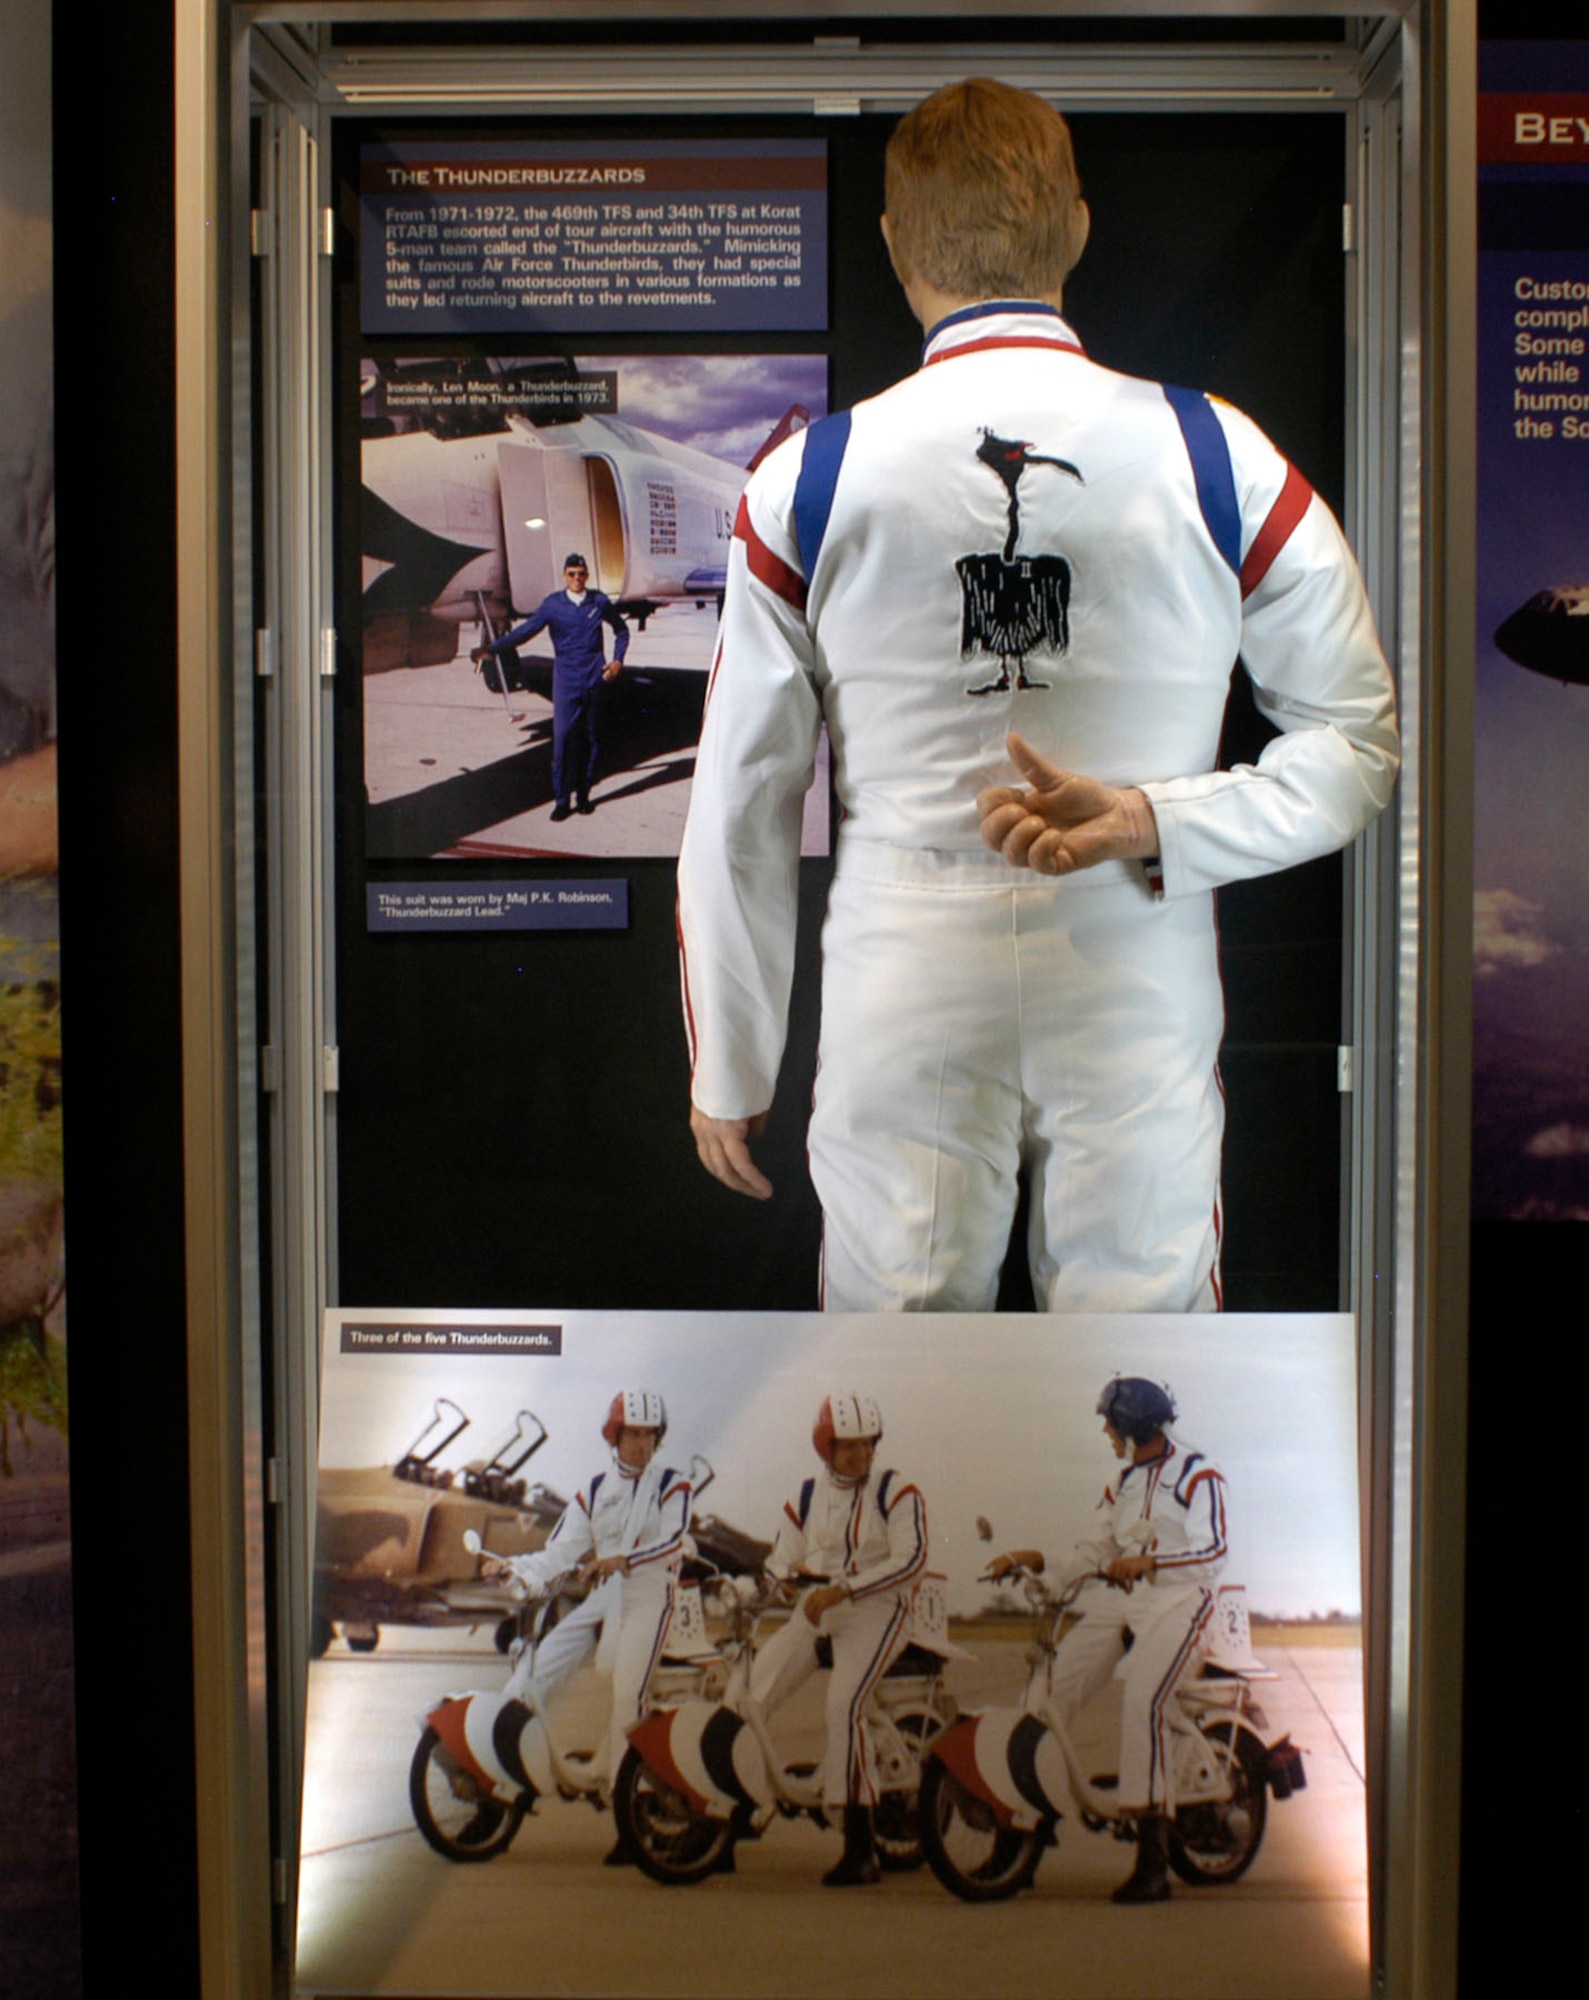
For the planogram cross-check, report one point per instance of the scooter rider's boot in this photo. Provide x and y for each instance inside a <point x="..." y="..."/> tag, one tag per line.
<point x="857" y="1866"/>
<point x="1149" y="1880"/>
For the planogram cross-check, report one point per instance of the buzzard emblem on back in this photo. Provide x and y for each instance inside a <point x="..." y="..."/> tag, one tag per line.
<point x="1011" y="604"/>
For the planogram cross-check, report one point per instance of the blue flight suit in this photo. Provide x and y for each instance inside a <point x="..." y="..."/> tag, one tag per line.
<point x="578" y="663"/>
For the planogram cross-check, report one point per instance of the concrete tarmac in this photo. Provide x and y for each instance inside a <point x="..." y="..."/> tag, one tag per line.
<point x="453" y="771"/>
<point x="380" y="1913"/>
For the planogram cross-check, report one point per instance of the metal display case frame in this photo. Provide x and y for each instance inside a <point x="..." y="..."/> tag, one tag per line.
<point x="258" y="84"/>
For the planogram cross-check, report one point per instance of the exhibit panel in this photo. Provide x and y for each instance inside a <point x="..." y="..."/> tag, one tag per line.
<point x="502" y="406"/>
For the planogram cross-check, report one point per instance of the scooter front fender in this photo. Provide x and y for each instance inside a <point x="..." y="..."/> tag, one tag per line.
<point x="707" y="1754"/>
<point x="1011" y="1761"/>
<point x="499" y="1740"/>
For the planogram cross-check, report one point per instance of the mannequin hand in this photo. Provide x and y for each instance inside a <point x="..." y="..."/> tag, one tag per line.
<point x="1064" y="821"/>
<point x="725" y="1153"/>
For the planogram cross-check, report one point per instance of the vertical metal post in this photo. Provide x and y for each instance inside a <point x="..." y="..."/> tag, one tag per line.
<point x="296" y="739"/>
<point x="231" y="1734"/>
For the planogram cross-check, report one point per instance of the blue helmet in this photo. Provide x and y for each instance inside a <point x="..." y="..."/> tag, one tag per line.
<point x="1137" y="1408"/>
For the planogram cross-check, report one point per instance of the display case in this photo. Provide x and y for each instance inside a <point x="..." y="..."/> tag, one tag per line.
<point x="434" y="1073"/>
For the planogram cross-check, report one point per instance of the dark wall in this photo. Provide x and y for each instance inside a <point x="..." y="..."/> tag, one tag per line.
<point x="511" y="1117"/>
<point x="121" y="1007"/>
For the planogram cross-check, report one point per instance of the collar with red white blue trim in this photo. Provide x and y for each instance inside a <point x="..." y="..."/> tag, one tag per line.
<point x="998" y="323"/>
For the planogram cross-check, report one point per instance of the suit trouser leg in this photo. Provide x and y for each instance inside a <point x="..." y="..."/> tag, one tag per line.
<point x="866" y="1637"/>
<point x="1168" y="1642"/>
<point x="1086" y="1658"/>
<point x="646" y="1614"/>
<point x="548" y="1665"/>
<point x="970" y="1027"/>
<point x="915" y="1126"/>
<point x="1122" y="1012"/>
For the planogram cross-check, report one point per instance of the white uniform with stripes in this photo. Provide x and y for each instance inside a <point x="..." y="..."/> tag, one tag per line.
<point x="1173" y="1509"/>
<point x="872" y="1536"/>
<point x="975" y="1018"/>
<point x="645" y="1518"/>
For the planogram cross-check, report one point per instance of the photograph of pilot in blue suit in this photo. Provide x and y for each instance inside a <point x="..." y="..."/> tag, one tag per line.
<point x="581" y="673"/>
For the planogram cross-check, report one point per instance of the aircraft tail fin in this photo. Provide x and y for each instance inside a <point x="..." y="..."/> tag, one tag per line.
<point x="795" y="418"/>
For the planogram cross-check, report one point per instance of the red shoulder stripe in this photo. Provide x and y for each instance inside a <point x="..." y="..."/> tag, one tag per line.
<point x="1276" y="531"/>
<point x="767" y="568"/>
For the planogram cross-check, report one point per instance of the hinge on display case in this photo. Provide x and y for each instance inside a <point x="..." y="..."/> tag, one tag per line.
<point x="328" y="232"/>
<point x="272" y="1482"/>
<point x="1346" y="1069"/>
<point x="1348" y="228"/>
<point x="265" y="653"/>
<point x="262" y="232"/>
<point x="328" y="654"/>
<point x="330" y="1069"/>
<point x="278" y="1879"/>
<point x="269" y="1067"/>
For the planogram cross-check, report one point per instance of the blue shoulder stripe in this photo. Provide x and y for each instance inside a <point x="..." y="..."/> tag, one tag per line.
<point x="826" y="443"/>
<point x="1187" y="1470"/>
<point x="807" y="1489"/>
<point x="1210" y="456"/>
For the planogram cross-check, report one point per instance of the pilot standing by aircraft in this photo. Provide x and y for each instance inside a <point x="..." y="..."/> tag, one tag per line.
<point x="864" y="1539"/>
<point x="581" y="673"/>
<point x="1011" y="562"/>
<point x="624" y="1534"/>
<point x="1160" y="1547"/>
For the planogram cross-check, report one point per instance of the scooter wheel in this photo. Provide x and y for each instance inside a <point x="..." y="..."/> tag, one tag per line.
<point x="1218" y="1842"/>
<point x="973" y="1856"/>
<point x="667" y="1837"/>
<point x="452" y="1811"/>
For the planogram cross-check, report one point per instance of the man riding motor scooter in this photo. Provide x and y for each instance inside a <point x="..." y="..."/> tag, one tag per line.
<point x="624" y="1533"/>
<point x="868" y="1537"/>
<point x="1160" y="1548"/>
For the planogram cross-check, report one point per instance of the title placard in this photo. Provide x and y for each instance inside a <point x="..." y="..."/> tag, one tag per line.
<point x="499" y="236"/>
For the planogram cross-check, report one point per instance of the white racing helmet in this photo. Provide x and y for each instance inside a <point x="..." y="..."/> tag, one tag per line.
<point x="640" y="1409"/>
<point x="844" y="1415"/>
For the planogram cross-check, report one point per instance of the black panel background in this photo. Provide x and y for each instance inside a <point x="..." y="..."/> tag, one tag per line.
<point x="511" y="1122"/>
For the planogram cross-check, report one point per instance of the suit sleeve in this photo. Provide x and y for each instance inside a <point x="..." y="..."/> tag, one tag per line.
<point x="571" y="1541"/>
<point x="1207" y="1543"/>
<point x="665" y="1541"/>
<point x="1318" y="674"/>
<point x="739" y="863"/>
<point x="526" y="629"/>
<point x="789" y="1545"/>
<point x="907" y="1547"/>
<point x="620" y="629"/>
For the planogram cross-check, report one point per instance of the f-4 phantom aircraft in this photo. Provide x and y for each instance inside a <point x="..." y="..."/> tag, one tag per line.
<point x="475" y="528"/>
<point x="389" y="1545"/>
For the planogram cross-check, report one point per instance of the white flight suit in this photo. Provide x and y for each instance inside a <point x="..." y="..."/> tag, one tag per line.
<point x="870" y="1535"/>
<point x="644" y="1517"/>
<point x="1174" y="1510"/>
<point x="977" y="1018"/>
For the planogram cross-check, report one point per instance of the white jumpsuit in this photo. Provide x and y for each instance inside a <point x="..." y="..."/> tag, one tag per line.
<point x="1174" y="1510"/>
<point x="643" y="1517"/>
<point x="872" y="1536"/>
<point x="1014" y="538"/>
